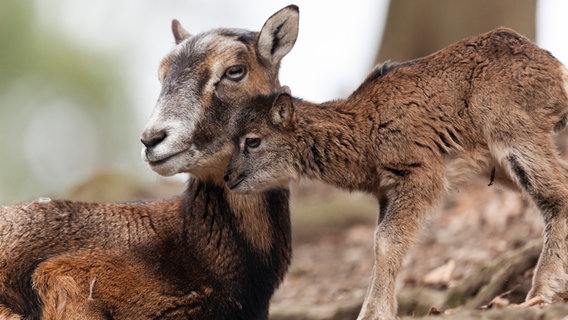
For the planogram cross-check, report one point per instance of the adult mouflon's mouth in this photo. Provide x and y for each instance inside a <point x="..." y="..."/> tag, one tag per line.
<point x="154" y="159"/>
<point x="166" y="164"/>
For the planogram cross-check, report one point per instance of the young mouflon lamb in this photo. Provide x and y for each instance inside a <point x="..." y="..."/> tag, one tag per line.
<point x="486" y="105"/>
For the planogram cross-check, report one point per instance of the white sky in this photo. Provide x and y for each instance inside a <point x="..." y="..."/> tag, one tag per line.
<point x="552" y="27"/>
<point x="334" y="51"/>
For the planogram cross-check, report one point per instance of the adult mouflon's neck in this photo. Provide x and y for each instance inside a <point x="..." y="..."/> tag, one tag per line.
<point x="243" y="239"/>
<point x="331" y="141"/>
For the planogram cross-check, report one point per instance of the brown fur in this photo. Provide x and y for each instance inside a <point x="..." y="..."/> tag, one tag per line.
<point x="487" y="105"/>
<point x="205" y="254"/>
<point x="95" y="261"/>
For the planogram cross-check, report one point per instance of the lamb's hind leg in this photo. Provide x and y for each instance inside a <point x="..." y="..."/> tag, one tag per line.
<point x="538" y="171"/>
<point x="406" y="203"/>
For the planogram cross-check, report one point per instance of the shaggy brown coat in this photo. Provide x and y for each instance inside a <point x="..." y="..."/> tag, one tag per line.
<point x="487" y="105"/>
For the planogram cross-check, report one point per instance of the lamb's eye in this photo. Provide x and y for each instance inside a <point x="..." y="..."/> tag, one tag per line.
<point x="252" y="142"/>
<point x="236" y="72"/>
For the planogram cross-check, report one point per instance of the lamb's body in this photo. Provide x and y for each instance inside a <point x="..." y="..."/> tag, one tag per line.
<point x="190" y="256"/>
<point x="452" y="106"/>
<point x="486" y="106"/>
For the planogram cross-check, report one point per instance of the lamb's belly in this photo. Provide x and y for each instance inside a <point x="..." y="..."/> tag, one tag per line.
<point x="463" y="168"/>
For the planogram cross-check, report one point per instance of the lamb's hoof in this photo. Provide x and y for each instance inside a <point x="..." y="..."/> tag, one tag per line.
<point x="534" y="301"/>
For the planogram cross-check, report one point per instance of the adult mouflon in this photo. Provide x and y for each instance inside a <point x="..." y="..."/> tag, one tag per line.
<point x="484" y="106"/>
<point x="206" y="254"/>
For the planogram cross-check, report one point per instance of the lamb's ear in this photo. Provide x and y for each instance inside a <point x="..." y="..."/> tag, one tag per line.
<point x="282" y="111"/>
<point x="278" y="34"/>
<point x="179" y="32"/>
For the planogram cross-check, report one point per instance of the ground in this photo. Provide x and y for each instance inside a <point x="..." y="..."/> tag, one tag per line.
<point x="473" y="229"/>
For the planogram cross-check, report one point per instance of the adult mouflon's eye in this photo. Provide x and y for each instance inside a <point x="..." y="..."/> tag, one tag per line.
<point x="236" y="72"/>
<point x="252" y="142"/>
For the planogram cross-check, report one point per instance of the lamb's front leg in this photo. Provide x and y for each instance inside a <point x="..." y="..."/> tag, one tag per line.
<point x="406" y="204"/>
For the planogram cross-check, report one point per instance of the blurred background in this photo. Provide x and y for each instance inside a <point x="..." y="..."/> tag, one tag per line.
<point x="78" y="78"/>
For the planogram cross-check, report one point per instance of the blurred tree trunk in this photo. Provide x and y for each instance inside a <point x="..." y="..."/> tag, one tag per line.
<point x="416" y="28"/>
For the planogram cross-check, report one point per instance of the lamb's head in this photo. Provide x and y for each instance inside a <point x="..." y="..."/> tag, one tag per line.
<point x="264" y="140"/>
<point x="204" y="78"/>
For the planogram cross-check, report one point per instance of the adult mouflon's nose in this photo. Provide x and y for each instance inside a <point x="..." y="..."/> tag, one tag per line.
<point x="151" y="139"/>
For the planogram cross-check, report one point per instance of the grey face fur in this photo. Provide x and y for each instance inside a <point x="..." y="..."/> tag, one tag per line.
<point x="203" y="78"/>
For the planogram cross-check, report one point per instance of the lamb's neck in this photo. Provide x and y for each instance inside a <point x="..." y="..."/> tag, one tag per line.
<point x="330" y="140"/>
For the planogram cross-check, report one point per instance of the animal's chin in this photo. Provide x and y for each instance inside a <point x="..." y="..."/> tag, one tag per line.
<point x="199" y="164"/>
<point x="164" y="170"/>
<point x="174" y="163"/>
<point x="206" y="164"/>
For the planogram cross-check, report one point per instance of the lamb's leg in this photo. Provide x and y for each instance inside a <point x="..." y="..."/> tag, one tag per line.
<point x="7" y="314"/>
<point x="538" y="171"/>
<point x="405" y="205"/>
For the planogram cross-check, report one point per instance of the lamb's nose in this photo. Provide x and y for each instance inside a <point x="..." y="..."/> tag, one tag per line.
<point x="153" y="139"/>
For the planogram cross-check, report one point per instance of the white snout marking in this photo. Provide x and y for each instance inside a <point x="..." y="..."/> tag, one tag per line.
<point x="172" y="143"/>
<point x="177" y="117"/>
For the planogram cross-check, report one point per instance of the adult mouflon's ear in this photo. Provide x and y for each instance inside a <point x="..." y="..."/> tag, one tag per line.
<point x="179" y="32"/>
<point x="278" y="34"/>
<point x="282" y="111"/>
